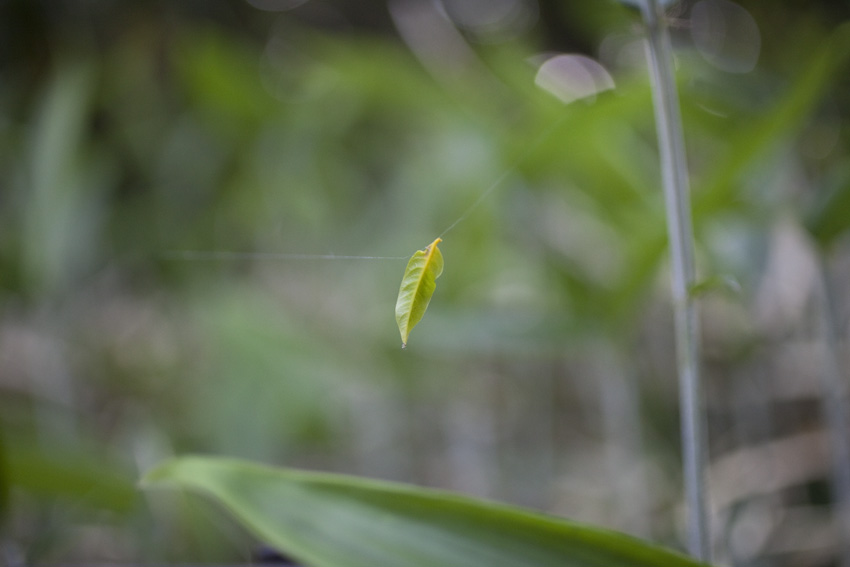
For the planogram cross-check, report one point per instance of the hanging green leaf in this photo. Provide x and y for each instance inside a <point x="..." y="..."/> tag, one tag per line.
<point x="417" y="287"/>
<point x="327" y="520"/>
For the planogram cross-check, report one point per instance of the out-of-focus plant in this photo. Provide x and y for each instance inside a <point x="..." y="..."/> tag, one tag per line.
<point x="135" y="136"/>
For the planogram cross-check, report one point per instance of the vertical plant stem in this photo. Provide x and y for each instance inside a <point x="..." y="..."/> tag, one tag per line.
<point x="834" y="401"/>
<point x="674" y="171"/>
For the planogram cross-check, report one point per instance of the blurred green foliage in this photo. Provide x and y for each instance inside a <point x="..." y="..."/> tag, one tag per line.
<point x="132" y="133"/>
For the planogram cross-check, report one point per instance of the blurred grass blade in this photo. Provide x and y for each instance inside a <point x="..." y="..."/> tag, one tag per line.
<point x="417" y="287"/>
<point x="822" y="71"/>
<point x="68" y="474"/>
<point x="61" y="197"/>
<point x="829" y="217"/>
<point x="329" y="520"/>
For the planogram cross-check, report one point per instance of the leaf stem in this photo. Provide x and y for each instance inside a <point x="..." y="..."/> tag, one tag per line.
<point x="674" y="172"/>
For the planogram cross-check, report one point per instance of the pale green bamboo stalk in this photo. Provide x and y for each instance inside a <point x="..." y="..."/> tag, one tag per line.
<point x="834" y="400"/>
<point x="674" y="172"/>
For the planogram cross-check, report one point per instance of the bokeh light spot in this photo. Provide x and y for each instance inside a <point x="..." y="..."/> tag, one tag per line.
<point x="726" y="35"/>
<point x="573" y="77"/>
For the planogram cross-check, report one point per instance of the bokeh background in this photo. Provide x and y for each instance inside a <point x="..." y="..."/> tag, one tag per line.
<point x="156" y="157"/>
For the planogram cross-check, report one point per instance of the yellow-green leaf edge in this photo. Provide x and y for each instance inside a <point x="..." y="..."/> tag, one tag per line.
<point x="417" y="287"/>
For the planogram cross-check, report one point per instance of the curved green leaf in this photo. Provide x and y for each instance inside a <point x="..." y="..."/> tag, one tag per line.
<point x="327" y="520"/>
<point x="417" y="287"/>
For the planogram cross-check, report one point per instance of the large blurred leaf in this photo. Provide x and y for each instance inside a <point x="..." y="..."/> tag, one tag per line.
<point x="336" y="521"/>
